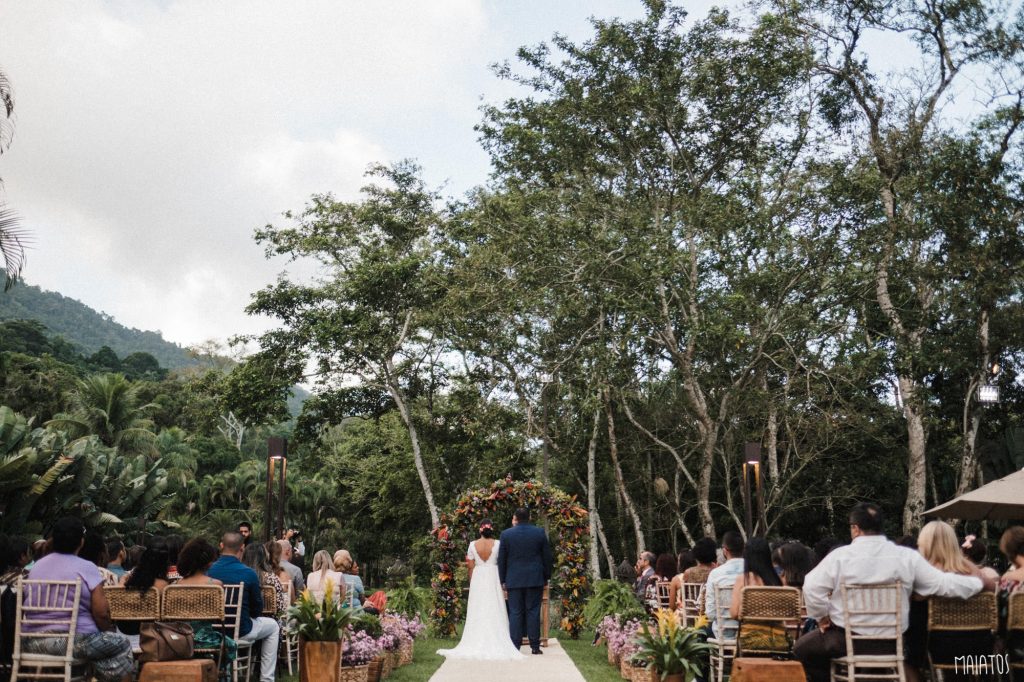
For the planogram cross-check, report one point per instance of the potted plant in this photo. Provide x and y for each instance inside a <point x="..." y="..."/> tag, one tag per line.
<point x="358" y="651"/>
<point x="370" y="624"/>
<point x="320" y="625"/>
<point x="675" y="652"/>
<point x="624" y="643"/>
<point x="612" y="598"/>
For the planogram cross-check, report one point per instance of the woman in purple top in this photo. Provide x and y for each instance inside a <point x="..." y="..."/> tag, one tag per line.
<point x="95" y="641"/>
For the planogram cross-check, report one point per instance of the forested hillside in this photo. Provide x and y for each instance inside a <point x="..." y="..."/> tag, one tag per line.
<point x="86" y="328"/>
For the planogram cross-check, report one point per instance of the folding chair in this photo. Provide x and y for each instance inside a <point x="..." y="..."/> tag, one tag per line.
<point x="52" y="605"/>
<point x="232" y="627"/>
<point x="972" y="622"/>
<point x="692" y="603"/>
<point x="289" y="640"/>
<point x="1015" y="623"/>
<point x="724" y="645"/>
<point x="269" y="601"/>
<point x="876" y="610"/>
<point x="663" y="593"/>
<point x="775" y="607"/>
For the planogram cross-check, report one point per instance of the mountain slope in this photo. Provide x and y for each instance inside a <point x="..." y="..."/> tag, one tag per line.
<point x="84" y="327"/>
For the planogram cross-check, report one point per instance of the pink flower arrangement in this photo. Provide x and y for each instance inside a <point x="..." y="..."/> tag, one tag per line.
<point x="393" y="634"/>
<point x="359" y="648"/>
<point x="412" y="627"/>
<point x="622" y="640"/>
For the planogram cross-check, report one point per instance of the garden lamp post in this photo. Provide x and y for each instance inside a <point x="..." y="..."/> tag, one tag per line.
<point x="277" y="457"/>
<point x="545" y="380"/>
<point x="752" y="468"/>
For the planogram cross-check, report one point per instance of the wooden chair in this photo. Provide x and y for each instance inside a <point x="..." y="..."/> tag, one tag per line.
<point x="663" y="593"/>
<point x="978" y="614"/>
<point x="53" y="605"/>
<point x="773" y="607"/>
<point x="692" y="602"/>
<point x="195" y="603"/>
<point x="725" y="644"/>
<point x="127" y="605"/>
<point x="231" y="626"/>
<point x="290" y="641"/>
<point x="269" y="601"/>
<point x="877" y="610"/>
<point x="1015" y="623"/>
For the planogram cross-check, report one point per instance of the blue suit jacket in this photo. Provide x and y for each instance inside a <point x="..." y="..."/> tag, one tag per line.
<point x="524" y="557"/>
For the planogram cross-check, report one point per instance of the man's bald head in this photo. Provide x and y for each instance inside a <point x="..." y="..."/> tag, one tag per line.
<point x="231" y="542"/>
<point x="286" y="550"/>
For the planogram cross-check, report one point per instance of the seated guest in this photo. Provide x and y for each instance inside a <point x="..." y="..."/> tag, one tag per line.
<point x="664" y="570"/>
<point x="134" y="554"/>
<point x="1011" y="544"/>
<point x="976" y="551"/>
<point x="724" y="576"/>
<point x="344" y="564"/>
<point x="823" y="547"/>
<point x="323" y="570"/>
<point x="116" y="556"/>
<point x="684" y="561"/>
<point x="285" y="561"/>
<point x="94" y="549"/>
<point x="758" y="571"/>
<point x="194" y="560"/>
<point x="939" y="547"/>
<point x="230" y="570"/>
<point x="792" y="561"/>
<point x="151" y="571"/>
<point x="16" y="557"/>
<point x="257" y="557"/>
<point x="705" y="556"/>
<point x="109" y="652"/>
<point x="245" y="530"/>
<point x="174" y="545"/>
<point x="869" y="559"/>
<point x="645" y="574"/>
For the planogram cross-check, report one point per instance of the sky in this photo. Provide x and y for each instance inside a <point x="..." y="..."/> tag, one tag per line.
<point x="152" y="137"/>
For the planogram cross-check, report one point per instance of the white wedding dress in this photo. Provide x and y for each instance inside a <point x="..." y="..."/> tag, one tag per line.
<point x="486" y="636"/>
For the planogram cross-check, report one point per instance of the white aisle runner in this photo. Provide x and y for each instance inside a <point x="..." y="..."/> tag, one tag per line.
<point x="553" y="666"/>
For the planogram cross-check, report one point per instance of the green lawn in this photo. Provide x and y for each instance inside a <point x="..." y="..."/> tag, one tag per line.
<point x="592" y="661"/>
<point x="424" y="662"/>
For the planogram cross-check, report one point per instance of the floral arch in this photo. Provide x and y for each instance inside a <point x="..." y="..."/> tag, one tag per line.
<point x="566" y="519"/>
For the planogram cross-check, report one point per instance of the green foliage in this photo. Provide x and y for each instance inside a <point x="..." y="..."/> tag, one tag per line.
<point x="612" y="597"/>
<point x="409" y="600"/>
<point x="368" y="623"/>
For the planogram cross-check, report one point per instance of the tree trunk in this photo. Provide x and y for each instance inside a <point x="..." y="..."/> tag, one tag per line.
<point x="620" y="481"/>
<point x="403" y="410"/>
<point x="595" y="565"/>
<point x="972" y="415"/>
<point x="607" y="550"/>
<point x="916" y="457"/>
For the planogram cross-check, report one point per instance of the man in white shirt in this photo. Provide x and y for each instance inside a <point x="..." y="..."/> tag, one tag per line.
<point x="870" y="559"/>
<point x="724" y="576"/>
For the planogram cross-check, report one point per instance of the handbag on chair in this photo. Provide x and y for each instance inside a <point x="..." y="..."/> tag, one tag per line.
<point x="172" y="641"/>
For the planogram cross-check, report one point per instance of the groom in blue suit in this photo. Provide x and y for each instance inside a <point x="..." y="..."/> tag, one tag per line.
<point x="524" y="566"/>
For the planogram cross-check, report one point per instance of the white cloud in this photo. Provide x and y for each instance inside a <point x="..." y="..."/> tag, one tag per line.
<point x="153" y="136"/>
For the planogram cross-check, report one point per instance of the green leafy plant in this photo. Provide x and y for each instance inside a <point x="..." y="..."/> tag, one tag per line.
<point x="672" y="649"/>
<point x="409" y="600"/>
<point x="319" y="621"/>
<point x="612" y="598"/>
<point x="368" y="623"/>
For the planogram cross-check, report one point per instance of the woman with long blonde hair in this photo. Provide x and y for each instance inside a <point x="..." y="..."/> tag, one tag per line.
<point x="940" y="547"/>
<point x="323" y="570"/>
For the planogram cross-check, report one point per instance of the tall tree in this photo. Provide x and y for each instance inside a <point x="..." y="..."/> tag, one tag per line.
<point x="369" y="317"/>
<point x="12" y="237"/>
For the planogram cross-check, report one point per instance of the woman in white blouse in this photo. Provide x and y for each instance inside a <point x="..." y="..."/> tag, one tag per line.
<point x="323" y="570"/>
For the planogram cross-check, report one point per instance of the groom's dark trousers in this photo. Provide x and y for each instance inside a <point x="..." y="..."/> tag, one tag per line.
<point x="524" y="565"/>
<point x="524" y="613"/>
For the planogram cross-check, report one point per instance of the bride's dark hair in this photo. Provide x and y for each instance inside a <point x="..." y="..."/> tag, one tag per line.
<point x="486" y="529"/>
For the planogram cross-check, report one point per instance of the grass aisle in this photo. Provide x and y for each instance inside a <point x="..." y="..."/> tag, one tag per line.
<point x="592" y="661"/>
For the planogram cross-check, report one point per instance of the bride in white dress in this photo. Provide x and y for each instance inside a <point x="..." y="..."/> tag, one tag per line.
<point x="485" y="636"/>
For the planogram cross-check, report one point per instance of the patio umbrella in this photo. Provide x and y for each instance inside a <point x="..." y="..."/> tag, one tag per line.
<point x="1002" y="499"/>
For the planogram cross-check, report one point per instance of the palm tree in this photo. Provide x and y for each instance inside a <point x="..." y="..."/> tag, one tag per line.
<point x="12" y="237"/>
<point x="107" y="406"/>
